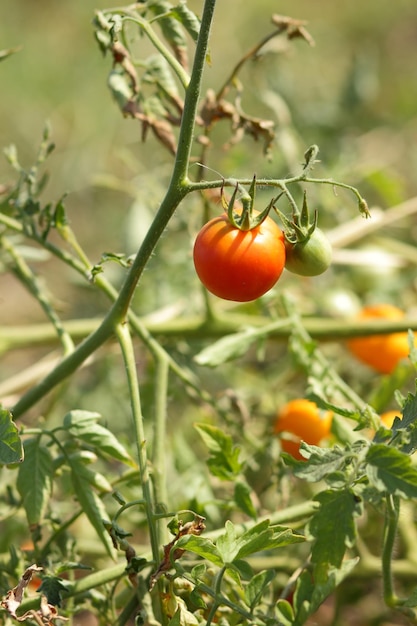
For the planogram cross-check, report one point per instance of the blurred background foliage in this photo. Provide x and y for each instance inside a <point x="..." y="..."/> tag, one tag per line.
<point x="354" y="94"/>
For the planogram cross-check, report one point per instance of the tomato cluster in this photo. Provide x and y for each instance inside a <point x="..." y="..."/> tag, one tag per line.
<point x="242" y="265"/>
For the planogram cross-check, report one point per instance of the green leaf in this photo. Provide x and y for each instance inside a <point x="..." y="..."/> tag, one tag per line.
<point x="310" y="593"/>
<point x="53" y="587"/>
<point x="91" y="505"/>
<point x="188" y="19"/>
<point x="321" y="463"/>
<point x="406" y="428"/>
<point x="171" y="28"/>
<point x="257" y="586"/>
<point x="243" y="499"/>
<point x="94" y="478"/>
<point x="409" y="413"/>
<point x="284" y="613"/>
<point x="227" y="348"/>
<point x="11" y="450"/>
<point x="234" y="545"/>
<point x="158" y="71"/>
<point x="83" y="425"/>
<point x="121" y="88"/>
<point x="333" y="529"/>
<point x="224" y="460"/>
<point x="34" y="480"/>
<point x="390" y="470"/>
<point x="201" y="546"/>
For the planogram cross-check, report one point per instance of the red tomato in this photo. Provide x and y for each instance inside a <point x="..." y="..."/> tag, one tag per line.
<point x="239" y="265"/>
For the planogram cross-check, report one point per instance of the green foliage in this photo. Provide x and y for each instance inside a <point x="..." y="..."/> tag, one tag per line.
<point x="189" y="386"/>
<point x="11" y="450"/>
<point x="34" y="481"/>
<point x="224" y="456"/>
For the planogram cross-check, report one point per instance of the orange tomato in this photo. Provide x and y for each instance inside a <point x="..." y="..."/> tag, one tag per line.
<point x="301" y="420"/>
<point x="388" y="417"/>
<point x="381" y="352"/>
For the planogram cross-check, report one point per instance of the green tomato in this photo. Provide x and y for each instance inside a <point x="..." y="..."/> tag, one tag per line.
<point x="311" y="257"/>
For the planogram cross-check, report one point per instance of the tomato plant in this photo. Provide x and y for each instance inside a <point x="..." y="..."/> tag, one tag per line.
<point x="310" y="257"/>
<point x="381" y="352"/>
<point x="150" y="492"/>
<point x="239" y="265"/>
<point x="302" y="420"/>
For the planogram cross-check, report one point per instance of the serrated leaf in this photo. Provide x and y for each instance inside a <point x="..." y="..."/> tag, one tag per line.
<point x="390" y="470"/>
<point x="234" y="545"/>
<point x="409" y="412"/>
<point x="83" y="425"/>
<point x="333" y="529"/>
<point x="201" y="546"/>
<point x="11" y="449"/>
<point x="406" y="427"/>
<point x="257" y="586"/>
<point x="92" y="507"/>
<point x="243" y="499"/>
<point x="227" y="348"/>
<point x="321" y="462"/>
<point x="53" y="588"/>
<point x="224" y="460"/>
<point x="34" y="480"/>
<point x="310" y="594"/>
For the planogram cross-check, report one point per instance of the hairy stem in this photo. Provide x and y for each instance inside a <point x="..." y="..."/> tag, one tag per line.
<point x="177" y="190"/>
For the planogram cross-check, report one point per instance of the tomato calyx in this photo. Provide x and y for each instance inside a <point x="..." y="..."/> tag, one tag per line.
<point x="308" y="251"/>
<point x="247" y="218"/>
<point x="300" y="228"/>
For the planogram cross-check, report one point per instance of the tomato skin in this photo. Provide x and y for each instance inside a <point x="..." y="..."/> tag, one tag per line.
<point x="388" y="417"/>
<point x="303" y="420"/>
<point x="239" y="265"/>
<point x="311" y="257"/>
<point x="381" y="352"/>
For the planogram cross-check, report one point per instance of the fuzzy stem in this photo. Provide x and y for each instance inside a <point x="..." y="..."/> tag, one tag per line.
<point x="390" y="533"/>
<point x="159" y="431"/>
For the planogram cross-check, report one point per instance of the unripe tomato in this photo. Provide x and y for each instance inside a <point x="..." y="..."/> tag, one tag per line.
<point x="381" y="352"/>
<point x="311" y="257"/>
<point x="239" y="265"/>
<point x="304" y="421"/>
